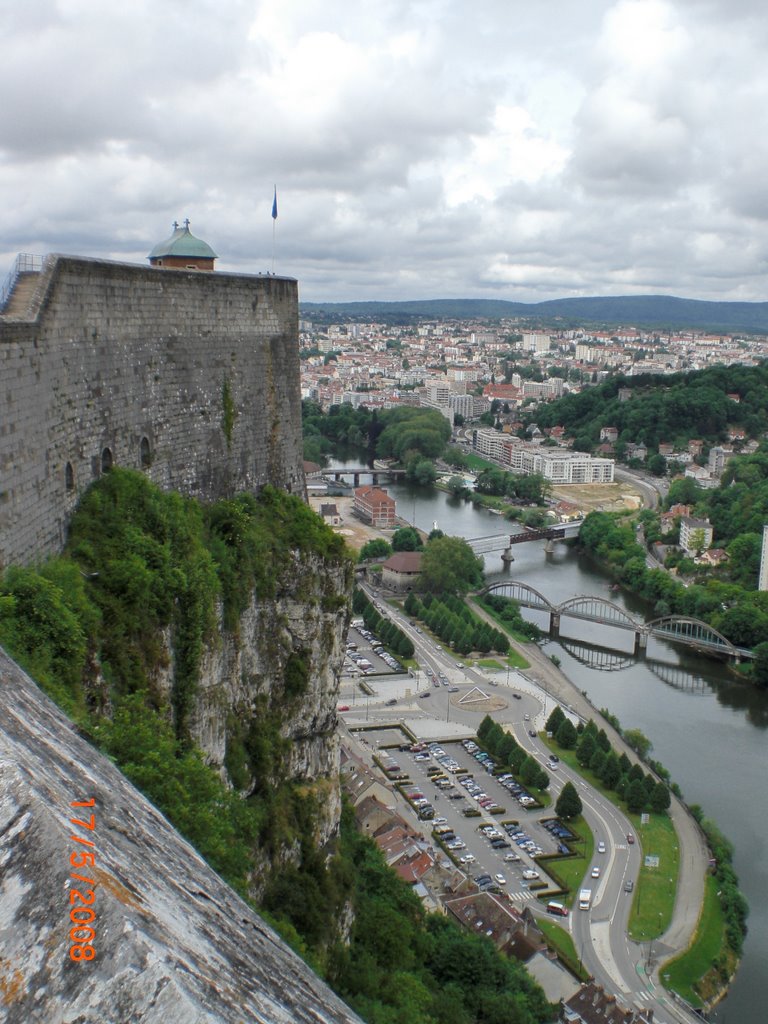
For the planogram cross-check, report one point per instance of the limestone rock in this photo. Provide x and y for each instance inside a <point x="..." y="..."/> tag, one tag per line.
<point x="174" y="945"/>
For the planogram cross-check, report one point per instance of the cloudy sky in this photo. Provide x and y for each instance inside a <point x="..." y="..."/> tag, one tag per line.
<point x="420" y="148"/>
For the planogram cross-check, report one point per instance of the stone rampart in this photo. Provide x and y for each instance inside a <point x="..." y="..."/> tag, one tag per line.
<point x="191" y="377"/>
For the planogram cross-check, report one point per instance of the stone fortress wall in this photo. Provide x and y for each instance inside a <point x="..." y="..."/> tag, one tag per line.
<point x="192" y="377"/>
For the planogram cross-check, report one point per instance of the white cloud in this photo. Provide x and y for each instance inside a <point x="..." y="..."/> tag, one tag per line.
<point x="420" y="147"/>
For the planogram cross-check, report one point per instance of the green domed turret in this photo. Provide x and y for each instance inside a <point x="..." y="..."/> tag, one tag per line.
<point x="183" y="251"/>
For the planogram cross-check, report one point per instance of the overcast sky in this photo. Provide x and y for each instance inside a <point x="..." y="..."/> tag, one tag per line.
<point x="420" y="148"/>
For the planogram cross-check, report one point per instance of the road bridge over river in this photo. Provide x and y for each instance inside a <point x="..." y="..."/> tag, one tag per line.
<point x="682" y="629"/>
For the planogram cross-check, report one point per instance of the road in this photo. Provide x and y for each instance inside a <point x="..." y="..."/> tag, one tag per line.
<point x="626" y="968"/>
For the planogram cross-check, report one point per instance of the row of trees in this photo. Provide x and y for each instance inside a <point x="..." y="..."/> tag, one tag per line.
<point x="509" y="754"/>
<point x="640" y="791"/>
<point x="450" y="619"/>
<point x="533" y="488"/>
<point x="509" y="613"/>
<point x="387" y="631"/>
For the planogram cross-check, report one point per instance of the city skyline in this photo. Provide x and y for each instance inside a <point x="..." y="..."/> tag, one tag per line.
<point x="419" y="150"/>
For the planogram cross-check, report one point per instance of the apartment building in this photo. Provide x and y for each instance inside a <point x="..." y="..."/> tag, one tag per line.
<point x="563" y="467"/>
<point x="373" y="505"/>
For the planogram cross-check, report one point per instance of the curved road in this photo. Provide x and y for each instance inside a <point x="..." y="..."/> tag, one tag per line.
<point x="628" y="969"/>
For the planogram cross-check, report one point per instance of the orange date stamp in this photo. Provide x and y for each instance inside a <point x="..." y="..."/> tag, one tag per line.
<point x="82" y="914"/>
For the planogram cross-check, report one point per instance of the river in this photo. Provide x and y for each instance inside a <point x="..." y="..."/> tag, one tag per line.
<point x="708" y="730"/>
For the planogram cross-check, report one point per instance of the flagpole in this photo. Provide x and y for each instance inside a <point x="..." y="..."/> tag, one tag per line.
<point x="274" y="220"/>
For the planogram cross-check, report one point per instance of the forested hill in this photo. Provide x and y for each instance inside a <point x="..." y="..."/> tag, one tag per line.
<point x="652" y="311"/>
<point x="675" y="408"/>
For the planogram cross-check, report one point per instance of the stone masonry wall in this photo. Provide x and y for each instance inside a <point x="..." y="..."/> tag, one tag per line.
<point x="191" y="376"/>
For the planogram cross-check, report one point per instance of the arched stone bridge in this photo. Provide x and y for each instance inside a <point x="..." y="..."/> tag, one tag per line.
<point x="681" y="629"/>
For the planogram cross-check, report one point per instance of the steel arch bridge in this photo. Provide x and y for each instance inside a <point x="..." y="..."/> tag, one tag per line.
<point x="598" y="609"/>
<point x="522" y="593"/>
<point x="682" y="629"/>
<point x="693" y="632"/>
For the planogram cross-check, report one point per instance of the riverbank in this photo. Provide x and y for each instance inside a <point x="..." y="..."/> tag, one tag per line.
<point x="693" y="853"/>
<point x="556" y="685"/>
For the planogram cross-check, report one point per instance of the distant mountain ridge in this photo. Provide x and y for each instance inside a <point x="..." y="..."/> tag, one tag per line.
<point x="652" y="311"/>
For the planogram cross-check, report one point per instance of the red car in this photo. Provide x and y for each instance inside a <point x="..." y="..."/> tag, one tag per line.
<point x="343" y="707"/>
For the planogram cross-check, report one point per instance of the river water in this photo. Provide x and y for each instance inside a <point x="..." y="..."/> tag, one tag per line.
<point x="708" y="730"/>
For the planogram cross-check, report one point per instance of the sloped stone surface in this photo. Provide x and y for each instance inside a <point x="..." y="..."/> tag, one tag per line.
<point x="174" y="945"/>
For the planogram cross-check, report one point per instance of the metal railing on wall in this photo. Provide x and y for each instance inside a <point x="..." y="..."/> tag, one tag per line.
<point x="25" y="263"/>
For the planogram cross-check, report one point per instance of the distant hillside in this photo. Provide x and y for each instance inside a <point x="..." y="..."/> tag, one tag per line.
<point x="652" y="311"/>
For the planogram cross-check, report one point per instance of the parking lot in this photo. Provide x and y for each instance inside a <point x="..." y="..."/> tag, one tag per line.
<point x="366" y="654"/>
<point x="496" y="849"/>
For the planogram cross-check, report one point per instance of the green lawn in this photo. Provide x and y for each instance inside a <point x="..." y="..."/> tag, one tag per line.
<point x="682" y="973"/>
<point x="559" y="940"/>
<point x="475" y="463"/>
<point x="569" y="871"/>
<point x="516" y="660"/>
<point x="655" y="891"/>
<point x="654" y="897"/>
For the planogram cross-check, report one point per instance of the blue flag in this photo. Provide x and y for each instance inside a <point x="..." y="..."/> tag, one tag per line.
<point x="274" y="205"/>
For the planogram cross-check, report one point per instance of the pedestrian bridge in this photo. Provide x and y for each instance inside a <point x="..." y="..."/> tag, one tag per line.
<point x="682" y="629"/>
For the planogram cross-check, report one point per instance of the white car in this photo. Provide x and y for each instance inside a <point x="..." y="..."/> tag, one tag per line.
<point x="468" y="858"/>
<point x="530" y="873"/>
<point x="601" y="847"/>
<point x="500" y="879"/>
<point x="595" y="872"/>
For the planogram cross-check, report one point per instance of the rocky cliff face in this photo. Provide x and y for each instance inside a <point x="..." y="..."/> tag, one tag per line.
<point x="280" y="668"/>
<point x="172" y="942"/>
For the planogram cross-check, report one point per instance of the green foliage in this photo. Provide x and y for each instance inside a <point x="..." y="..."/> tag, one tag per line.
<point x="376" y="548"/>
<point x="450" y="566"/>
<point x="639" y="742"/>
<point x="189" y="793"/>
<point x="508" y="610"/>
<point x="42" y="619"/>
<point x="296" y="675"/>
<point x="566" y="735"/>
<point x="148" y="569"/>
<point x="555" y="720"/>
<point x="672" y="408"/>
<point x="568" y="803"/>
<point x="406" y="967"/>
<point x="530" y="488"/>
<point x="406" y="539"/>
<point x="760" y="665"/>
<point x="450" y="619"/>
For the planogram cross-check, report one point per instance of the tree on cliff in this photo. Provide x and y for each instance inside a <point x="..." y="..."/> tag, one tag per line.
<point x="450" y="566"/>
